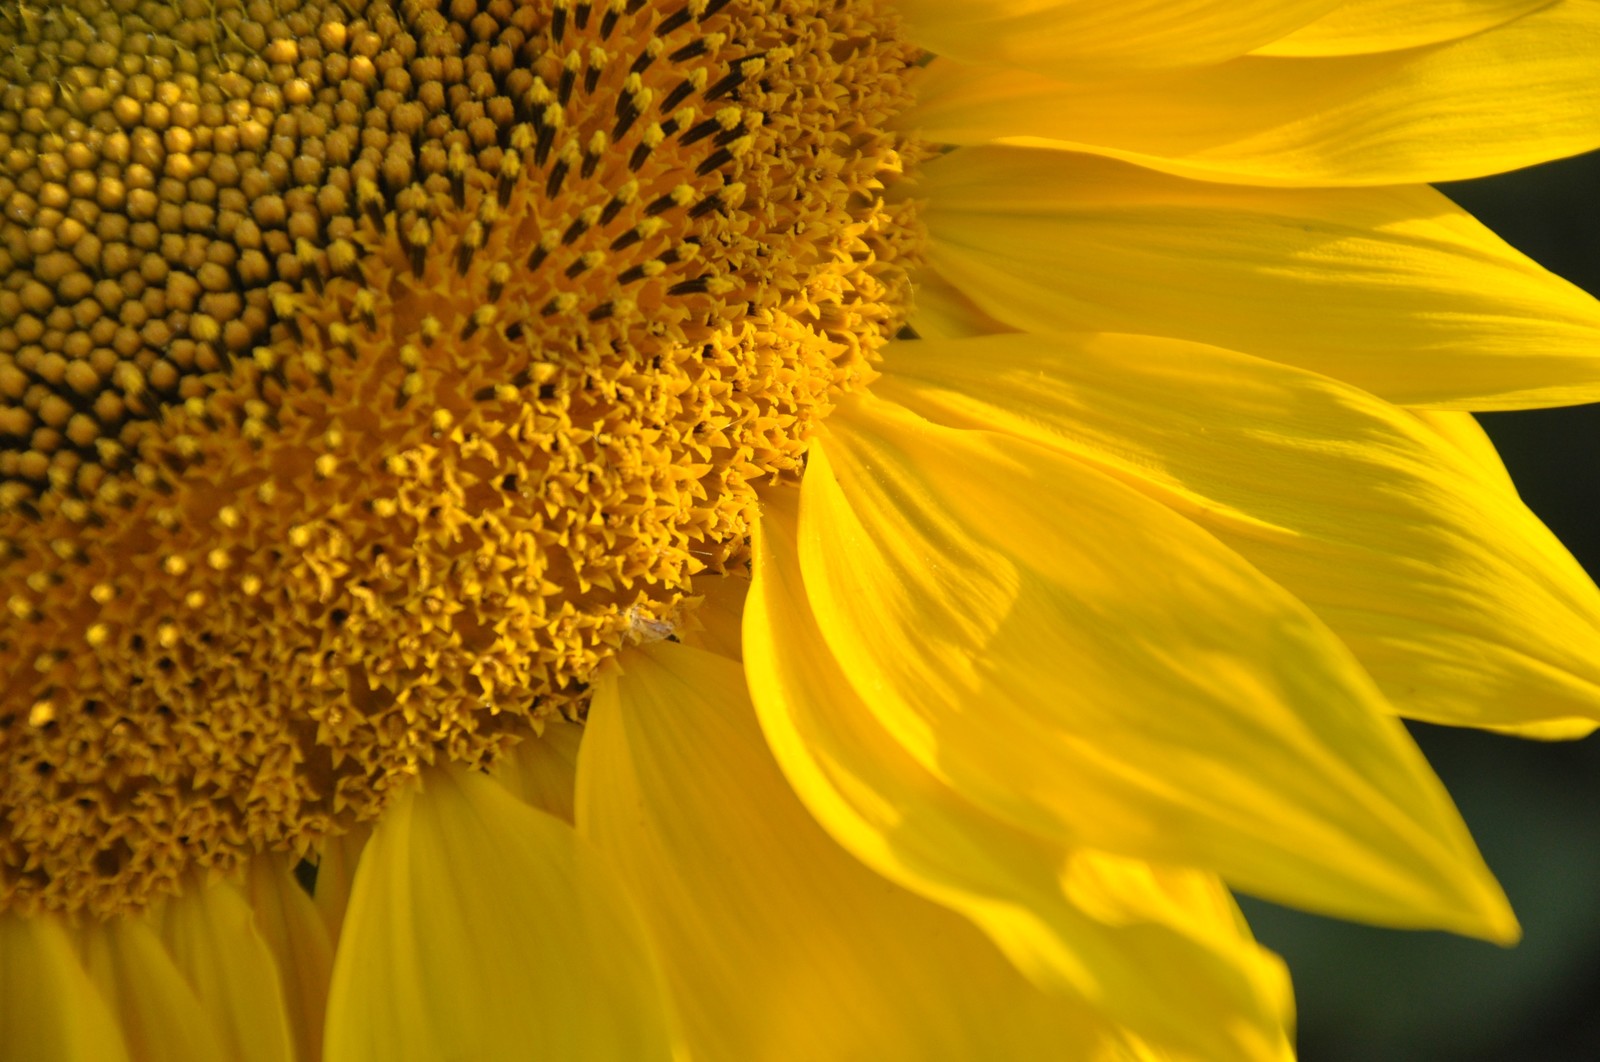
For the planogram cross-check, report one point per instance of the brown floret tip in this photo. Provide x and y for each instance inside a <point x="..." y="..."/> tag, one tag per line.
<point x="370" y="372"/>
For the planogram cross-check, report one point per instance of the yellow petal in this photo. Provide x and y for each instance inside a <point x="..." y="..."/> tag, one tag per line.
<point x="288" y="920"/>
<point x="1086" y="38"/>
<point x="49" y="1009"/>
<point x="762" y="922"/>
<point x="336" y="870"/>
<point x="212" y="937"/>
<point x="1509" y="97"/>
<point x="1410" y="547"/>
<point x="714" y="624"/>
<point x="480" y="928"/>
<point x="1463" y="431"/>
<point x="1362" y="26"/>
<point x="161" y="1018"/>
<point x="1081" y="661"/>
<point x="542" y="771"/>
<point x="1394" y="290"/>
<point x="940" y="310"/>
<point x="1166" y="960"/>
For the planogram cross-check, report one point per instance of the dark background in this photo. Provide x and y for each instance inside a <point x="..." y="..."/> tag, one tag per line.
<point x="1369" y="995"/>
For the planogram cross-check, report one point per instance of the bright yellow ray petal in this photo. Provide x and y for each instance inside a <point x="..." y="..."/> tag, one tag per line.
<point x="1397" y="291"/>
<point x="762" y="922"/>
<point x="542" y="771"/>
<point x="1362" y="26"/>
<point x="336" y="869"/>
<point x="480" y="928"/>
<point x="1165" y="959"/>
<point x="714" y="624"/>
<point x="212" y="937"/>
<point x="288" y="920"/>
<point x="941" y="310"/>
<point x="1081" y="661"/>
<point x="161" y="1018"/>
<point x="1450" y="592"/>
<point x="49" y="1009"/>
<point x="1463" y="431"/>
<point x="1490" y="102"/>
<point x="1086" y="38"/>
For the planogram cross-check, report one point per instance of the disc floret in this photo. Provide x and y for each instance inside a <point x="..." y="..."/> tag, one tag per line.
<point x="379" y="457"/>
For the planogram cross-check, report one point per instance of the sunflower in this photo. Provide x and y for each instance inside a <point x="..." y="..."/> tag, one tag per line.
<point x="756" y="529"/>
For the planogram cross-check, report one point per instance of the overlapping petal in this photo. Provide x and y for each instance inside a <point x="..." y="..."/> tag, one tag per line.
<point x="1360" y="26"/>
<point x="337" y="859"/>
<point x="1463" y="431"/>
<point x="714" y="624"/>
<point x="762" y="921"/>
<point x="1512" y="96"/>
<point x="211" y="934"/>
<point x="288" y="920"/>
<point x="1397" y="291"/>
<point x="1412" y="548"/>
<point x="1086" y="39"/>
<point x="481" y="928"/>
<point x="160" y="1017"/>
<point x="49" y="1008"/>
<point x="1159" y="953"/>
<point x="1080" y="661"/>
<point x="543" y="771"/>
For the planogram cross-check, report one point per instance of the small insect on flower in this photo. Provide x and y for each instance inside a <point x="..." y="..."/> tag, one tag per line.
<point x="643" y="628"/>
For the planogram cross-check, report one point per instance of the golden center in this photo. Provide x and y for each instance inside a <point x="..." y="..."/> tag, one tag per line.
<point x="370" y="372"/>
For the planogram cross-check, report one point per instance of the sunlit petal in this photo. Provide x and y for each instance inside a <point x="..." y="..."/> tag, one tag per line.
<point x="1411" y="547"/>
<point x="1397" y="291"/>
<point x="481" y="928"/>
<point x="1165" y="959"/>
<point x="957" y="575"/>
<point x="764" y="922"/>
<point x="1085" y="39"/>
<point x="1493" y="101"/>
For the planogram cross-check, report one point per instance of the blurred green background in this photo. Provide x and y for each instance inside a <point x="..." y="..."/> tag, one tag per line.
<point x="1382" y="996"/>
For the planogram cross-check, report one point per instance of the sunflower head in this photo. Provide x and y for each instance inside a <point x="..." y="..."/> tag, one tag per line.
<point x="370" y="372"/>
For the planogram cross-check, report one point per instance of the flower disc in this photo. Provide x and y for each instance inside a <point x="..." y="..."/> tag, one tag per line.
<point x="370" y="372"/>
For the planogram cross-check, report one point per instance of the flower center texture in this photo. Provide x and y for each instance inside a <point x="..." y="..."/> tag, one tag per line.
<point x="370" y="372"/>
